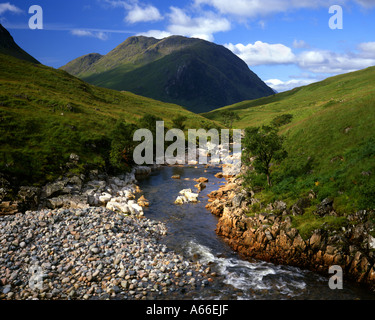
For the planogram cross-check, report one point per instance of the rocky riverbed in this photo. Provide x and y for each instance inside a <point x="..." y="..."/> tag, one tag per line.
<point x="91" y="241"/>
<point x="91" y="253"/>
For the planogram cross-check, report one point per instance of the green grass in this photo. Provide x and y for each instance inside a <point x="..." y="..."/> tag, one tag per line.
<point x="46" y="114"/>
<point x="330" y="139"/>
<point x="308" y="222"/>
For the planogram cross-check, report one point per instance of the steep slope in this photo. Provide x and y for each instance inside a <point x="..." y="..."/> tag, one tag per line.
<point x="330" y="139"/>
<point x="82" y="63"/>
<point x="194" y="73"/>
<point x="47" y="114"/>
<point x="9" y="47"/>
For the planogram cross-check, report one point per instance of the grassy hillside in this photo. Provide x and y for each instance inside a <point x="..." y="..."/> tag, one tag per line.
<point x="194" y="73"/>
<point x="46" y="114"/>
<point x="330" y="140"/>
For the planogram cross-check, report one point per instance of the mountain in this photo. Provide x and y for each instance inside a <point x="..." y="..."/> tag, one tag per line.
<point x="194" y="73"/>
<point x="9" y="47"/>
<point x="47" y="114"/>
<point x="329" y="138"/>
<point x="83" y="63"/>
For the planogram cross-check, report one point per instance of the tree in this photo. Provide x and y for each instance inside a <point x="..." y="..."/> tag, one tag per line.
<point x="266" y="146"/>
<point x="122" y="146"/>
<point x="148" y="121"/>
<point x="179" y="122"/>
<point x="229" y="117"/>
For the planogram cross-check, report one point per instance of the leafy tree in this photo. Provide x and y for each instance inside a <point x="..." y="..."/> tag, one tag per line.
<point x="229" y="117"/>
<point x="266" y="146"/>
<point x="179" y="122"/>
<point x="148" y="121"/>
<point x="122" y="146"/>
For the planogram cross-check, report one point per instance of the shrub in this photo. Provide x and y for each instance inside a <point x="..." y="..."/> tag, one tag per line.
<point x="282" y="120"/>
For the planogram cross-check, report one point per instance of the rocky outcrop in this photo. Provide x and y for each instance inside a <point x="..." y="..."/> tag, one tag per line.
<point x="7" y="205"/>
<point x="270" y="235"/>
<point x="9" y="208"/>
<point x="30" y="197"/>
<point x="115" y="193"/>
<point x="80" y="192"/>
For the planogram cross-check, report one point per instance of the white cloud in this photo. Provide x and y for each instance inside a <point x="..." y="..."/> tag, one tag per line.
<point x="135" y="10"/>
<point x="202" y="27"/>
<point x="323" y="61"/>
<point x="256" y="8"/>
<point x="117" y="4"/>
<point x="4" y="7"/>
<point x="143" y="14"/>
<point x="261" y="53"/>
<point x="85" y="33"/>
<point x="366" y="3"/>
<point x="300" y="44"/>
<point x="157" y="34"/>
<point x="316" y="61"/>
<point x="367" y="50"/>
<point x="281" y="86"/>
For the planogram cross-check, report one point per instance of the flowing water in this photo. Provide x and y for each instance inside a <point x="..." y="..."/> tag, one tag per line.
<point x="191" y="232"/>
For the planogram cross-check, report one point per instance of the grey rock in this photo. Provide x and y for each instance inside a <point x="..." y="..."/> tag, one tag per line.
<point x="237" y="200"/>
<point x="7" y="289"/>
<point x="325" y="207"/>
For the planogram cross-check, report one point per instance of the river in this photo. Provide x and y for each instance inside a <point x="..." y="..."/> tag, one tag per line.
<point x="191" y="232"/>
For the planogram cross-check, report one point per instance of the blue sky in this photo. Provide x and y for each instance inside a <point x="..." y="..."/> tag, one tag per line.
<point x="288" y="43"/>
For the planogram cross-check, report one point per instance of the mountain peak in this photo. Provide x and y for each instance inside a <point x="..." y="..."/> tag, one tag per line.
<point x="9" y="47"/>
<point x="194" y="73"/>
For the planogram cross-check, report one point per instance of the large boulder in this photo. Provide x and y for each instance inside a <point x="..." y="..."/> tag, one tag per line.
<point x="118" y="204"/>
<point x="135" y="209"/>
<point x="201" y="180"/>
<point x="237" y="200"/>
<point x="64" y="186"/>
<point x="325" y="207"/>
<point x="5" y="188"/>
<point x="200" y="186"/>
<point x="187" y="196"/>
<point x="9" y="208"/>
<point x="53" y="189"/>
<point x="142" y="171"/>
<point x="73" y="161"/>
<point x="105" y="198"/>
<point x="143" y="202"/>
<point x="30" y="197"/>
<point x="299" y="207"/>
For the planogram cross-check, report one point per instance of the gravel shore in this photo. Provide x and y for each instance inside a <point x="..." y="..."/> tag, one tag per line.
<point x="91" y="253"/>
